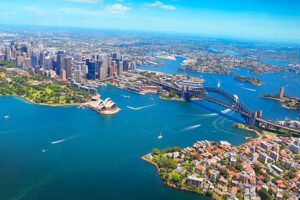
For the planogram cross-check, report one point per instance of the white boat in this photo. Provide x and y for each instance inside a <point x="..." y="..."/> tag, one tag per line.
<point x="44" y="150"/>
<point x="6" y="117"/>
<point x="160" y="136"/>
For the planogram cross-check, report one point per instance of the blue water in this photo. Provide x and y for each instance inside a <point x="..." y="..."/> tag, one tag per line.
<point x="98" y="157"/>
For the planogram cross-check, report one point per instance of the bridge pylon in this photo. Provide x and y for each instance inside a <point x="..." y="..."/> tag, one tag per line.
<point x="252" y="120"/>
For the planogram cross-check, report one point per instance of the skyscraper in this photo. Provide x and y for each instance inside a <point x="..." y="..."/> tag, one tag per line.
<point x="116" y="56"/>
<point x="120" y="68"/>
<point x="77" y="76"/>
<point x="60" y="62"/>
<point x="91" y="70"/>
<point x="103" y="69"/>
<point x="68" y="67"/>
<point x="63" y="74"/>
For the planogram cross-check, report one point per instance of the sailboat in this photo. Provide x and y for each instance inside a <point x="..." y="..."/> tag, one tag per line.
<point x="160" y="136"/>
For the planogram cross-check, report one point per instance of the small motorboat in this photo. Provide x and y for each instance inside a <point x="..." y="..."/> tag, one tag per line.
<point x="160" y="136"/>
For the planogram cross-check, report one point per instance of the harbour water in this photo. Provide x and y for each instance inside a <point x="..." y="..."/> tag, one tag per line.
<point x="72" y="153"/>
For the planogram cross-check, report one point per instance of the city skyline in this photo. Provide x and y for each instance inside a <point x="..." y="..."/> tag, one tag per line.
<point x="271" y="20"/>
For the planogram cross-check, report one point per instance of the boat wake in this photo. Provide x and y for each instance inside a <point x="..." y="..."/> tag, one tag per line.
<point x="127" y="97"/>
<point x="226" y="111"/>
<point x="63" y="140"/>
<point x="241" y="84"/>
<point x="215" y="114"/>
<point x="209" y="115"/>
<point x="191" y="127"/>
<point x="250" y="89"/>
<point x="140" y="108"/>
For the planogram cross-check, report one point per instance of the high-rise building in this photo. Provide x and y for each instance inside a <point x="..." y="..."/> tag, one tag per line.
<point x="97" y="70"/>
<point x="8" y="54"/>
<point x="120" y="68"/>
<point x="281" y="92"/>
<point x="116" y="56"/>
<point x="77" y="76"/>
<point x="60" y="62"/>
<point x="104" y="69"/>
<point x="126" y="65"/>
<point x="68" y="66"/>
<point x="63" y="74"/>
<point x="91" y="70"/>
<point x="111" y="71"/>
<point x="42" y="59"/>
<point x="48" y="63"/>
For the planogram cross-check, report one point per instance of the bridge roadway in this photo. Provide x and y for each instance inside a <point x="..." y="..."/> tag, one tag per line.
<point x="236" y="106"/>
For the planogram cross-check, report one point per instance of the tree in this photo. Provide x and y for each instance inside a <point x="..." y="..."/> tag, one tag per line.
<point x="174" y="177"/>
<point x="172" y="94"/>
<point x="155" y="151"/>
<point x="263" y="193"/>
<point x="168" y="163"/>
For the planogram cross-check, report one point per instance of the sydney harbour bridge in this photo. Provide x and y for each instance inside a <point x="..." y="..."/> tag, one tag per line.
<point x="188" y="91"/>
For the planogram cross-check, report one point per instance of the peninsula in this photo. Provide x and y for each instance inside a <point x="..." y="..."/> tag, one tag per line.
<point x="266" y="167"/>
<point x="37" y="89"/>
<point x="286" y="101"/>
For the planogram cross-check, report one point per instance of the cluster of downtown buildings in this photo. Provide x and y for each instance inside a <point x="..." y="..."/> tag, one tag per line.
<point x="64" y="66"/>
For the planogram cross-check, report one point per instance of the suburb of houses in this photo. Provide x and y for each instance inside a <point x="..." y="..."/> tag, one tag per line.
<point x="267" y="167"/>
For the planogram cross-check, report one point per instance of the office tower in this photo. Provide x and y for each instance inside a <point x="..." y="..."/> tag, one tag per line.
<point x="91" y="70"/>
<point x="103" y="69"/>
<point x="281" y="92"/>
<point x="60" y="62"/>
<point x="27" y="63"/>
<point x="35" y="59"/>
<point x="20" y="60"/>
<point x="133" y="66"/>
<point x="125" y="65"/>
<point x="120" y="68"/>
<point x="115" y="67"/>
<point x="97" y="70"/>
<point x="8" y="54"/>
<point x="63" y="74"/>
<point x="68" y="66"/>
<point x="48" y="63"/>
<point x="28" y="51"/>
<point x="77" y="76"/>
<point x="111" y="71"/>
<point x="42" y="59"/>
<point x="116" y="57"/>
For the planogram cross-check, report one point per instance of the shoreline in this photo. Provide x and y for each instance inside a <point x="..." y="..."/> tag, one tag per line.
<point x="246" y="128"/>
<point x="282" y="102"/>
<point x="144" y="158"/>
<point x="166" y="183"/>
<point x="83" y="105"/>
<point x="42" y="104"/>
<point x="252" y="83"/>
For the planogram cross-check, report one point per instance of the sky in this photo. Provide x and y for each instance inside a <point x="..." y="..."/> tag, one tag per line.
<point x="273" y="20"/>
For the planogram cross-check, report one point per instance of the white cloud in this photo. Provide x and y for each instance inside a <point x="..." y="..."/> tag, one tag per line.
<point x="117" y="8"/>
<point x="159" y="4"/>
<point x="85" y="1"/>
<point x="34" y="11"/>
